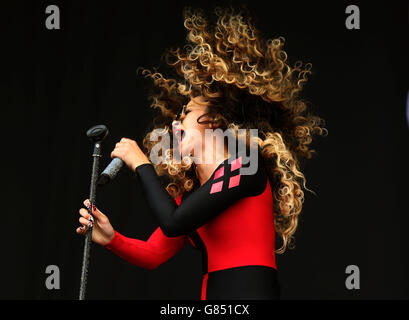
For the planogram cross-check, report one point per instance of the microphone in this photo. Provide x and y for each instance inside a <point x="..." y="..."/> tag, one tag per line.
<point x="110" y="171"/>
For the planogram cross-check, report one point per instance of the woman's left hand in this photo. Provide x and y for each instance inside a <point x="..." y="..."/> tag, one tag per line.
<point x="130" y="153"/>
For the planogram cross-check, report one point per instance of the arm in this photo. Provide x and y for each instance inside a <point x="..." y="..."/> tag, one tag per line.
<point x="224" y="188"/>
<point x="146" y="254"/>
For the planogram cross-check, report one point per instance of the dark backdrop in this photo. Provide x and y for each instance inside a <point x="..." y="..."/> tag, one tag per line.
<point x="58" y="83"/>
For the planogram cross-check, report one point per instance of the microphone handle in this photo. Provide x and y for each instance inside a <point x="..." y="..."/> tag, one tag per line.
<point x="110" y="171"/>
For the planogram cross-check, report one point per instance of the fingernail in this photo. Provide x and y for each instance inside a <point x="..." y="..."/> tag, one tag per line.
<point x="91" y="219"/>
<point x="89" y="225"/>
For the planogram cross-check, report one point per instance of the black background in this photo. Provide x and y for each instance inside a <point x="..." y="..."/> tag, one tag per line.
<point x="55" y="84"/>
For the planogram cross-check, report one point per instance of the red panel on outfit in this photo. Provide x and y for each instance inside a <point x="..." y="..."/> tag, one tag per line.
<point x="204" y="287"/>
<point x="242" y="235"/>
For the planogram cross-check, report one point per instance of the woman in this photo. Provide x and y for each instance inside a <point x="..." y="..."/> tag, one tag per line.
<point x="234" y="80"/>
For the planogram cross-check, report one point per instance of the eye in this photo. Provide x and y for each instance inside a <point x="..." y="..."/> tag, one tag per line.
<point x="180" y="112"/>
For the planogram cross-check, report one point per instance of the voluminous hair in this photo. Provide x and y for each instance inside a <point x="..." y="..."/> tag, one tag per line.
<point x="248" y="83"/>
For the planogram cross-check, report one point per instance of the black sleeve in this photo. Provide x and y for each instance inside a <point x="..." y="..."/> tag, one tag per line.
<point x="227" y="184"/>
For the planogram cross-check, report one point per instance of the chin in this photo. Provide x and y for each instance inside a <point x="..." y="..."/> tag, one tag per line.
<point x="181" y="151"/>
<point x="185" y="148"/>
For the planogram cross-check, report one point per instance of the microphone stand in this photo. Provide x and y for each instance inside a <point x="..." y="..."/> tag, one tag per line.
<point x="96" y="134"/>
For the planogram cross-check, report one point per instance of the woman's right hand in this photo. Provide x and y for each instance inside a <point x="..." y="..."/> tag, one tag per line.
<point x="102" y="231"/>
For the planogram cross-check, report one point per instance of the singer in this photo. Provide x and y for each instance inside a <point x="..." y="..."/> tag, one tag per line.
<point x="230" y="79"/>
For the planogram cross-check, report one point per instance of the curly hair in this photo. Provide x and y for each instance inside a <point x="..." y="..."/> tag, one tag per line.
<point x="248" y="84"/>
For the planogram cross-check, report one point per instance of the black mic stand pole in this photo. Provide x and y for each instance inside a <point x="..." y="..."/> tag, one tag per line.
<point x="96" y="134"/>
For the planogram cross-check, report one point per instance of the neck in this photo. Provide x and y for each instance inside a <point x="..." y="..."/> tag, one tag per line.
<point x="205" y="170"/>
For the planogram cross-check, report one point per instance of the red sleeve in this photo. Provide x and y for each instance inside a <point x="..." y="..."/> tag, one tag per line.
<point x="147" y="254"/>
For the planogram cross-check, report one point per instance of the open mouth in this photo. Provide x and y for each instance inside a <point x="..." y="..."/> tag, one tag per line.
<point x="179" y="134"/>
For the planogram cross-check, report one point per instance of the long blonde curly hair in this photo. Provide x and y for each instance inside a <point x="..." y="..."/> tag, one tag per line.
<point x="248" y="84"/>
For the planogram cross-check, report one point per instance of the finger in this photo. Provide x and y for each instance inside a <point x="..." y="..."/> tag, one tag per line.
<point x="124" y="140"/>
<point x="84" y="222"/>
<point x="84" y="213"/>
<point x="116" y="154"/>
<point x="95" y="211"/>
<point x="87" y="203"/>
<point x="81" y="230"/>
<point x="97" y="214"/>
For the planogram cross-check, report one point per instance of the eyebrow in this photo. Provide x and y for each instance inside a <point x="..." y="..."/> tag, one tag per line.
<point x="191" y="105"/>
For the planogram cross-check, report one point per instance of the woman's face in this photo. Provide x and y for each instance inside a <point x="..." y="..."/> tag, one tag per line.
<point x="189" y="133"/>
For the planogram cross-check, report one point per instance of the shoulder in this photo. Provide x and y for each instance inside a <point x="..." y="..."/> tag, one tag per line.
<point x="243" y="172"/>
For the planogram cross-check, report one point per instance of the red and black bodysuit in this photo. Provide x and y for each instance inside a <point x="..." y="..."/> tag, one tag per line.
<point x="229" y="219"/>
